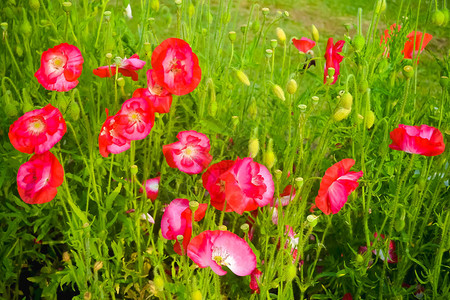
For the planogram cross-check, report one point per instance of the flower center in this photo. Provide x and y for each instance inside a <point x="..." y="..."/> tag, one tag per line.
<point x="189" y="151"/>
<point x="36" y="126"/>
<point x="58" y="62"/>
<point x="156" y="90"/>
<point x="221" y="256"/>
<point x="176" y="66"/>
<point x="134" y="117"/>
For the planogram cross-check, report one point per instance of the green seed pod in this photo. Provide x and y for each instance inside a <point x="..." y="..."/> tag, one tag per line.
<point x="74" y="111"/>
<point x="444" y="82"/>
<point x="278" y="91"/>
<point x="232" y="36"/>
<point x="291" y="272"/>
<point x="363" y="86"/>
<point x="358" y="42"/>
<point x="346" y="100"/>
<point x="155" y="5"/>
<point x="265" y="11"/>
<point x="67" y="6"/>
<point x="255" y="26"/>
<point x="291" y="86"/>
<point x="370" y="119"/>
<point x="34" y="5"/>
<point x="408" y="72"/>
<point x="438" y="17"/>
<point x="134" y="170"/>
<point x="25" y="27"/>
<point x="19" y="50"/>
<point x="341" y="113"/>
<point x="273" y="43"/>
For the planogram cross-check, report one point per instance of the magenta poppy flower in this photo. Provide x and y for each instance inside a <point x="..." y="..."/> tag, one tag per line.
<point x="333" y="58"/>
<point x="110" y="139"/>
<point x="157" y="95"/>
<point x="336" y="185"/>
<point x="177" y="220"/>
<point x="135" y="119"/>
<point x="127" y="67"/>
<point x="37" y="130"/>
<point x="176" y="67"/>
<point x="303" y="44"/>
<point x="60" y="68"/>
<point x="217" y="248"/>
<point x="190" y="154"/>
<point x="244" y="185"/>
<point x="392" y="257"/>
<point x="413" y="45"/>
<point x="254" y="278"/>
<point x="38" y="179"/>
<point x="423" y="140"/>
<point x="152" y="188"/>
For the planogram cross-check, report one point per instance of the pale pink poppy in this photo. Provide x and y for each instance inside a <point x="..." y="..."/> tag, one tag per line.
<point x="217" y="249"/>
<point x="37" y="130"/>
<point x="190" y="154"/>
<point x="152" y="187"/>
<point x="60" y="68"/>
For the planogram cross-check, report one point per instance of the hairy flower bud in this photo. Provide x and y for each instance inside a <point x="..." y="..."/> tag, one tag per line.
<point x="370" y="119"/>
<point x="381" y="6"/>
<point x="341" y="113"/>
<point x="291" y="272"/>
<point x="74" y="110"/>
<point x="196" y="295"/>
<point x="358" y="42"/>
<point x="154" y="4"/>
<point x="315" y="33"/>
<point x="346" y="100"/>
<point x="438" y="17"/>
<point x="291" y="86"/>
<point x="281" y="35"/>
<point x="253" y="147"/>
<point x="269" y="155"/>
<point x="242" y="77"/>
<point x="278" y="91"/>
<point x="34" y="5"/>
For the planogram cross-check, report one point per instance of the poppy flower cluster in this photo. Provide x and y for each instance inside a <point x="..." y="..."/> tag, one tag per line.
<point x="240" y="185"/>
<point x="37" y="132"/>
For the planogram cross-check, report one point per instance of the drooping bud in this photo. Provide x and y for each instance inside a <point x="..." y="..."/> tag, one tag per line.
<point x="74" y="110"/>
<point x="269" y="155"/>
<point x="281" y="35"/>
<point x="242" y="77"/>
<point x="253" y="109"/>
<point x="291" y="86"/>
<point x="25" y="27"/>
<point x="278" y="91"/>
<point x="346" y="100"/>
<point x="363" y="86"/>
<point x="154" y="4"/>
<point x="291" y="273"/>
<point x="358" y="42"/>
<point x="438" y="17"/>
<point x="226" y="17"/>
<point x="408" y="71"/>
<point x="370" y="119"/>
<point x="341" y="113"/>
<point x="381" y="6"/>
<point x="315" y="33"/>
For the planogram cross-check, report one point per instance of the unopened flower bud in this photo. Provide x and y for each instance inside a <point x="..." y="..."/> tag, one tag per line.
<point x="446" y="17"/>
<point x="359" y="259"/>
<point x="154" y="4"/>
<point x="34" y="5"/>
<point x="120" y="82"/>
<point x="255" y="26"/>
<point x="67" y="6"/>
<point x="281" y="35"/>
<point x="98" y="265"/>
<point x="159" y="283"/>
<point x="408" y="71"/>
<point x="265" y="11"/>
<point x="11" y="109"/>
<point x="242" y="77"/>
<point x="222" y="228"/>
<point x="315" y="33"/>
<point x="74" y="111"/>
<point x="273" y="43"/>
<point x="19" y="50"/>
<point x="212" y="108"/>
<point x="400" y="221"/>
<point x="269" y="157"/>
<point x="65" y="256"/>
<point x="363" y="86"/>
<point x="370" y="119"/>
<point x="291" y="273"/>
<point x="235" y="121"/>
<point x="341" y="113"/>
<point x="291" y="86"/>
<point x="196" y="295"/>
<point x="25" y="27"/>
<point x="253" y="109"/>
<point x="147" y="47"/>
<point x="438" y="17"/>
<point x="312" y="220"/>
<point x="191" y="10"/>
<point x="381" y="6"/>
<point x="346" y="100"/>
<point x="245" y="227"/>
<point x="358" y="42"/>
<point x="253" y="147"/>
<point x="232" y="36"/>
<point x="278" y="91"/>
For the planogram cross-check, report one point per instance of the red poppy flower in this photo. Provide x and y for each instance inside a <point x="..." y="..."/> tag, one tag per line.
<point x="392" y="256"/>
<point x="336" y="185"/>
<point x="303" y="44"/>
<point x="243" y="184"/>
<point x="176" y="67"/>
<point x="218" y="248"/>
<point x="191" y="154"/>
<point x="111" y="139"/>
<point x="37" y="130"/>
<point x="160" y="99"/>
<point x="177" y="220"/>
<point x="254" y="278"/>
<point x="60" y="68"/>
<point x="38" y="178"/>
<point x="127" y="67"/>
<point x="333" y="58"/>
<point x="388" y="33"/>
<point x="135" y="119"/>
<point x="415" y="45"/>
<point x="347" y="296"/>
<point x="423" y="140"/>
<point x="152" y="188"/>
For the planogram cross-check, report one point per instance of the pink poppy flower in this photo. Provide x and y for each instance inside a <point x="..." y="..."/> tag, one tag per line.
<point x="333" y="58"/>
<point x="243" y="184"/>
<point x="37" y="130"/>
<point x="38" y="178"/>
<point x="60" y="68"/>
<point x="336" y="185"/>
<point x="423" y="140"/>
<point x="158" y="96"/>
<point x="152" y="188"/>
<point x="303" y="44"/>
<point x="217" y="248"/>
<point x="285" y="199"/>
<point x="176" y="67"/>
<point x="177" y="220"/>
<point x="111" y="139"/>
<point x="392" y="256"/>
<point x="190" y="154"/>
<point x="127" y="67"/>
<point x="135" y="119"/>
<point x="415" y="45"/>
<point x="254" y="278"/>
